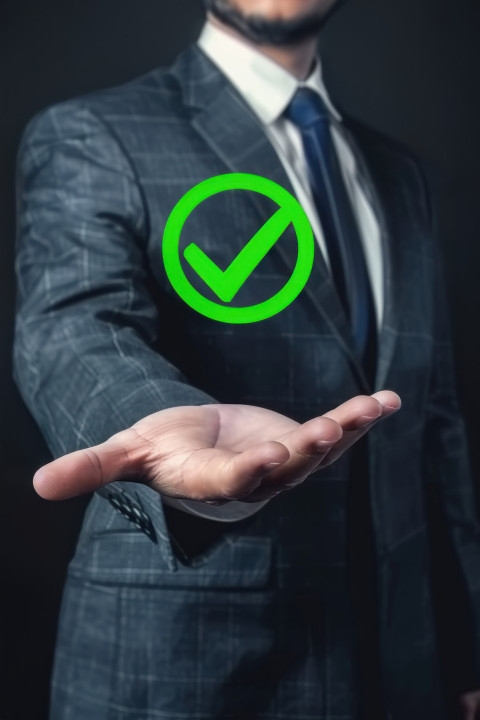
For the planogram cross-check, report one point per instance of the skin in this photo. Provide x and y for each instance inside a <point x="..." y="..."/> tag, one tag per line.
<point x="297" y="59"/>
<point x="218" y="453"/>
<point x="470" y="705"/>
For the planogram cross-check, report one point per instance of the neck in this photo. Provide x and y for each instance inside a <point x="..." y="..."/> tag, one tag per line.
<point x="296" y="59"/>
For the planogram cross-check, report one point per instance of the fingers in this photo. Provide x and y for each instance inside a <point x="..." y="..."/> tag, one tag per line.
<point x="315" y="444"/>
<point x="358" y="416"/>
<point x="308" y="444"/>
<point x="252" y="478"/>
<point x="214" y="474"/>
<point x="85" y="471"/>
<point x="360" y="410"/>
<point x="219" y="474"/>
<point x="389" y="400"/>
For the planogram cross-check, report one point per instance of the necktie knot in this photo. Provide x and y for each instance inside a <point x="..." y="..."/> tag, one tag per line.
<point x="306" y="109"/>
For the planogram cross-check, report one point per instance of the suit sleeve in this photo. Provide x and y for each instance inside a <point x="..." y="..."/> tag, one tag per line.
<point x="449" y="468"/>
<point x="86" y="324"/>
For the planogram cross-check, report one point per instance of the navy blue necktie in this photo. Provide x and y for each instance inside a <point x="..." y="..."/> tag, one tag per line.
<point x="309" y="113"/>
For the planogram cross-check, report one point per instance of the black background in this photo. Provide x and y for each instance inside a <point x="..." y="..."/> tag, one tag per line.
<point x="410" y="68"/>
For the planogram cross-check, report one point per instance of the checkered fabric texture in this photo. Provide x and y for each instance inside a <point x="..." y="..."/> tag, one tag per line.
<point x="259" y="625"/>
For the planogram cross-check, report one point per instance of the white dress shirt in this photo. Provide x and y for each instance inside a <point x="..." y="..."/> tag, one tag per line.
<point x="268" y="89"/>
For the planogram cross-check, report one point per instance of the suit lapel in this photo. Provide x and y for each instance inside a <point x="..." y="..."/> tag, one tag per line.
<point x="236" y="136"/>
<point x="388" y="332"/>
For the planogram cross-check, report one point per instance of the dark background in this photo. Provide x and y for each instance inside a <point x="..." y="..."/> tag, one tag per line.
<point x="410" y="68"/>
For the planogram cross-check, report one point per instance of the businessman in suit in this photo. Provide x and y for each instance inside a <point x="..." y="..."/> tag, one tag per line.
<point x="249" y="551"/>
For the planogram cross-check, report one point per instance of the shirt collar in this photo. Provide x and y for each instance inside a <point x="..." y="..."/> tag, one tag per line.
<point x="264" y="84"/>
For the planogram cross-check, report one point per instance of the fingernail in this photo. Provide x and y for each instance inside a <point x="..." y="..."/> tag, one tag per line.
<point x="365" y="419"/>
<point x="271" y="466"/>
<point x="393" y="407"/>
<point x="322" y="444"/>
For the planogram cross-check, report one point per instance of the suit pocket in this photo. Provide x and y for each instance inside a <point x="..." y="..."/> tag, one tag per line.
<point x="129" y="557"/>
<point x="193" y="653"/>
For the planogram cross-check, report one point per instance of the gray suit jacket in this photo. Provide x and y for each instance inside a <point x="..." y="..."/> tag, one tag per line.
<point x="259" y="624"/>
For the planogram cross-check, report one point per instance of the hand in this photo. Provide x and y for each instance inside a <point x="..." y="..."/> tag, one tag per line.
<point x="216" y="453"/>
<point x="470" y="705"/>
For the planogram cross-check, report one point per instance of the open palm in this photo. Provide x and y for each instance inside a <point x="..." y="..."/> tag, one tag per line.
<point x="216" y="453"/>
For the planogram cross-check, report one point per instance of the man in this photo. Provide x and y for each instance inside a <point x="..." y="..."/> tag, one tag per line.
<point x="251" y="559"/>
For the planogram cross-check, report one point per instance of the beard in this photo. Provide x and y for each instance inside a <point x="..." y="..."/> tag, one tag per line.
<point x="263" y="31"/>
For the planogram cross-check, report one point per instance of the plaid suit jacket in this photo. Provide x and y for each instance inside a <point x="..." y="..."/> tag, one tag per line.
<point x="259" y="624"/>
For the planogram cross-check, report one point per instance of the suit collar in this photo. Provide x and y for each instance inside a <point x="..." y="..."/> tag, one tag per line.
<point x="264" y="84"/>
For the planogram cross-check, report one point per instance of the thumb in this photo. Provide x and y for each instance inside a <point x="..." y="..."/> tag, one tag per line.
<point x="84" y="471"/>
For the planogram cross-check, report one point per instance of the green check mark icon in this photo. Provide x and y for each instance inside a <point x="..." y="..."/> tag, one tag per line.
<point x="226" y="283"/>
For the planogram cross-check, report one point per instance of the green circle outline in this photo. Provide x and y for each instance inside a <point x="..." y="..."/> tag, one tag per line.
<point x="223" y="313"/>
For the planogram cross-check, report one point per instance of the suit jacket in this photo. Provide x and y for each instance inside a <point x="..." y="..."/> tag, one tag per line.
<point x="260" y="623"/>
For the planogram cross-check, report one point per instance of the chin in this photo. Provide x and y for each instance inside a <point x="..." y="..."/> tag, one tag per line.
<point x="266" y="22"/>
<point x="282" y="9"/>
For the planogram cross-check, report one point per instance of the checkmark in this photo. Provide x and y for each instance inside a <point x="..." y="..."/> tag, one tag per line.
<point x="226" y="283"/>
